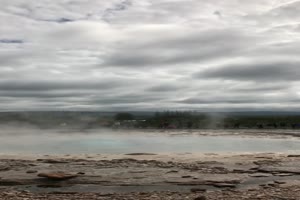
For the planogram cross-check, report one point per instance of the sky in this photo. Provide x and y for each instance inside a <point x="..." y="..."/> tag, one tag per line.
<point x="150" y="55"/>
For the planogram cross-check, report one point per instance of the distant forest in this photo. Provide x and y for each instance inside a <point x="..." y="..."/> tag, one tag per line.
<point x="148" y="120"/>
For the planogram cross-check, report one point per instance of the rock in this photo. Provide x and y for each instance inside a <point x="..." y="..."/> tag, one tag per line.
<point x="5" y="182"/>
<point x="9" y="194"/>
<point x="259" y="175"/>
<point x="272" y="184"/>
<point x="280" y="182"/>
<point x="49" y="186"/>
<point x="5" y="168"/>
<point x="172" y="171"/>
<point x="25" y="191"/>
<point x="57" y="175"/>
<point x="280" y="170"/>
<point x="81" y="173"/>
<point x="263" y="157"/>
<point x="293" y="156"/>
<point x="31" y="171"/>
<point x="200" y="198"/>
<point x="224" y="185"/>
<point x="254" y="168"/>
<point x="140" y="154"/>
<point x="52" y="161"/>
<point x="241" y="171"/>
<point x="186" y="176"/>
<point x="220" y="168"/>
<point x="282" y="175"/>
<point x="195" y="190"/>
<point x="265" y="162"/>
<point x="64" y="193"/>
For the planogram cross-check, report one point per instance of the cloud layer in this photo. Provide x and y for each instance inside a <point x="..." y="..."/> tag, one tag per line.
<point x="205" y="55"/>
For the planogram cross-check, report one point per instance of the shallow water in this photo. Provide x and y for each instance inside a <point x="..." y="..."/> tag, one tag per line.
<point x="105" y="141"/>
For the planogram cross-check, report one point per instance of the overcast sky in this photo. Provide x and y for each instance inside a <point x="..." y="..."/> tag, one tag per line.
<point x="149" y="55"/>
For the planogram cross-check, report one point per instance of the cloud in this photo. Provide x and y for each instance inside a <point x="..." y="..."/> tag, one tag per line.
<point x="118" y="7"/>
<point x="261" y="71"/>
<point x="11" y="41"/>
<point x="61" y="20"/>
<point x="234" y="99"/>
<point x="182" y="45"/>
<point x="149" y="55"/>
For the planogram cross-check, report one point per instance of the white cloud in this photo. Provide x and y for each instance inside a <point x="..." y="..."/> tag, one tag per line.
<point x="149" y="54"/>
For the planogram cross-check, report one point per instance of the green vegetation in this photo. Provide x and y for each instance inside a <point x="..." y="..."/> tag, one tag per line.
<point x="173" y="120"/>
<point x="194" y="120"/>
<point x="159" y="120"/>
<point x="123" y="116"/>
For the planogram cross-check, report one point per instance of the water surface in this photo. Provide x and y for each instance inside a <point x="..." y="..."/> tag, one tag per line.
<point x="104" y="141"/>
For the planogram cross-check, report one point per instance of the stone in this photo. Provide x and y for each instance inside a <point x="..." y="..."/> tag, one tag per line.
<point x="259" y="175"/>
<point x="31" y="171"/>
<point x="172" y="171"/>
<point x="282" y="175"/>
<point x="9" y="194"/>
<point x="280" y="182"/>
<point x="187" y="176"/>
<point x="293" y="156"/>
<point x="140" y="154"/>
<point x="200" y="198"/>
<point x="5" y="168"/>
<point x="272" y="184"/>
<point x="52" y="161"/>
<point x="195" y="190"/>
<point x="280" y="170"/>
<point x="57" y="175"/>
<point x="224" y="185"/>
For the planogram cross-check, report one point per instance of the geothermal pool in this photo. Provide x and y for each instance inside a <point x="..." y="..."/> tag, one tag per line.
<point x="115" y="142"/>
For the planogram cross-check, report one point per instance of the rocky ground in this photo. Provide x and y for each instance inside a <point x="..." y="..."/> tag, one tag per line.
<point x="286" y="193"/>
<point x="150" y="176"/>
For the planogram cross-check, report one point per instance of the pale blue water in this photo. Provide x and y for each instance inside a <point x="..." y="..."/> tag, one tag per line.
<point x="52" y="142"/>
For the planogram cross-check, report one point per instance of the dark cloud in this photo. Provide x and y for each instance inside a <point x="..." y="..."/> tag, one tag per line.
<point x="11" y="41"/>
<point x="260" y="71"/>
<point x="216" y="101"/>
<point x="261" y="88"/>
<point x="218" y="13"/>
<point x="60" y="20"/>
<point x="118" y="7"/>
<point x="41" y="85"/>
<point x="165" y="88"/>
<point x="43" y="94"/>
<point x="241" y="98"/>
<point x="126" y="99"/>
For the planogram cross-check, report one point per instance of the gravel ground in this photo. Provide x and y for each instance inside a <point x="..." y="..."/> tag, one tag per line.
<point x="275" y="193"/>
<point x="206" y="177"/>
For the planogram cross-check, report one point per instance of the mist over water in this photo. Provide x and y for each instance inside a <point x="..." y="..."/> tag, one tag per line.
<point x="31" y="140"/>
